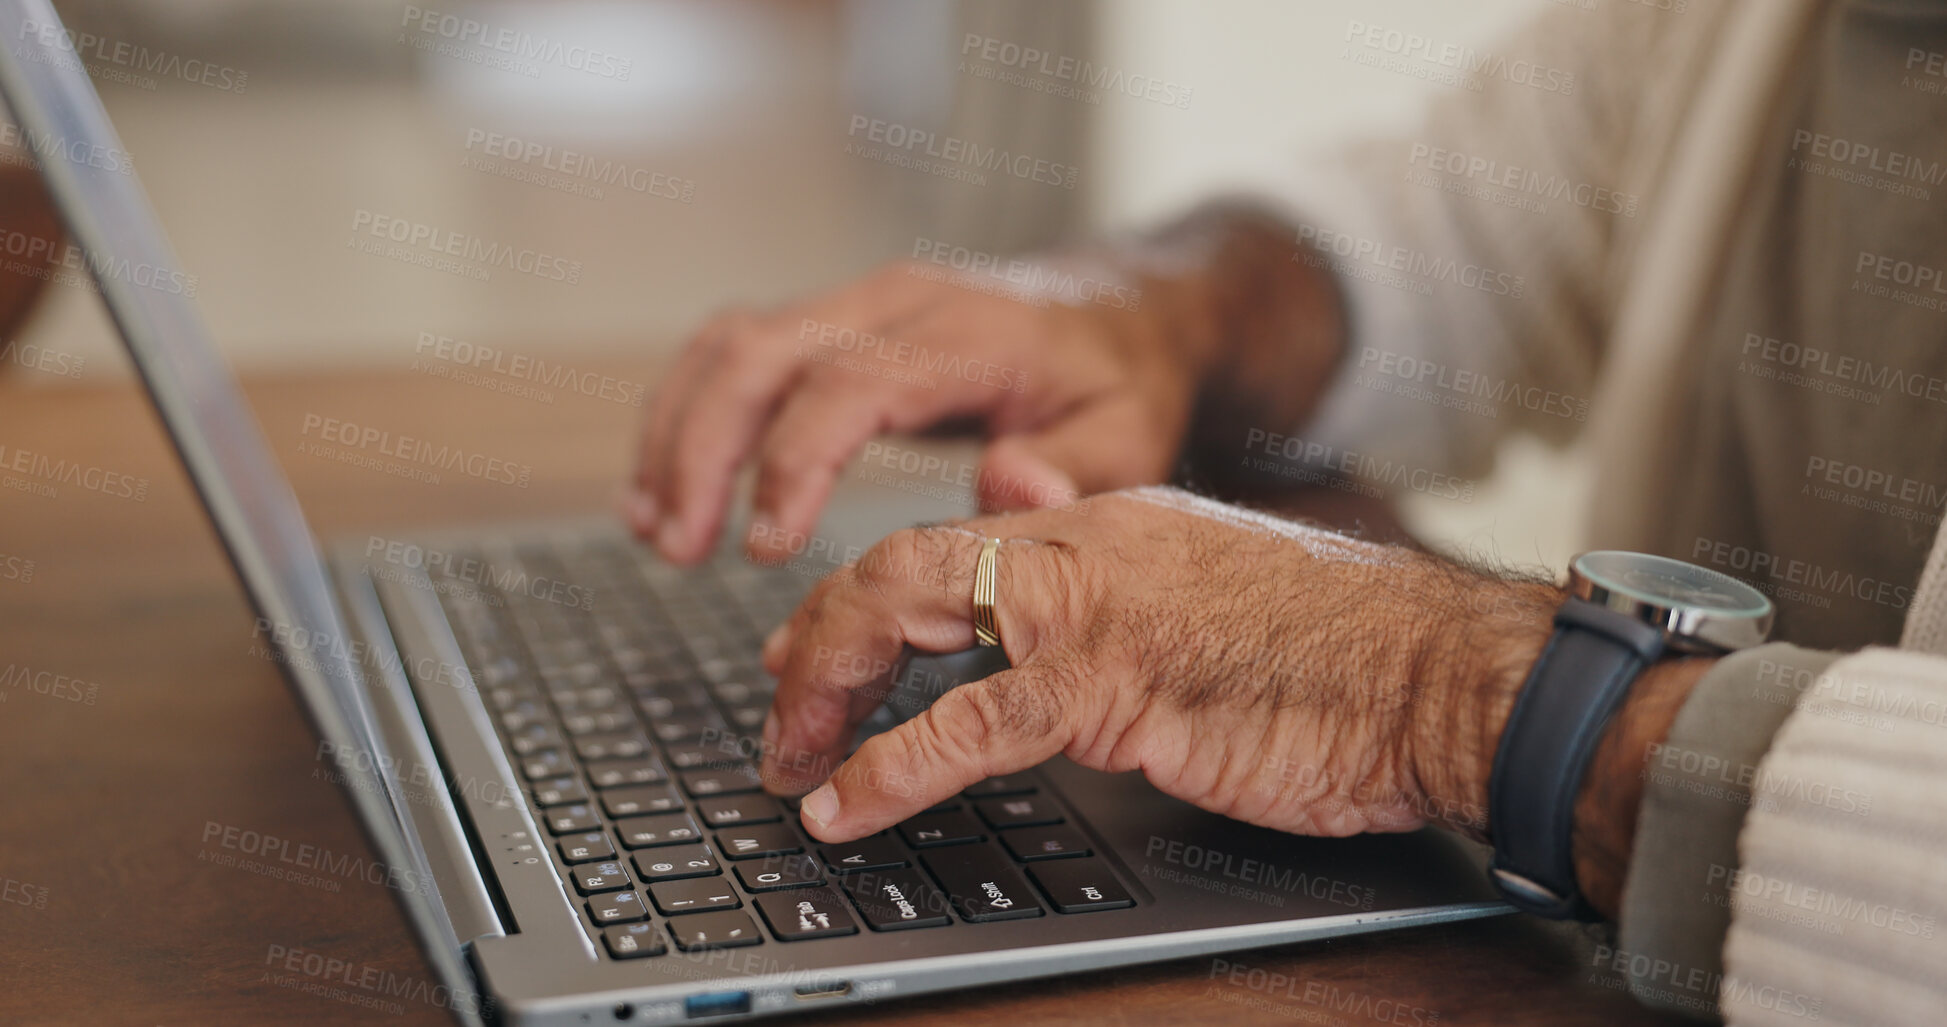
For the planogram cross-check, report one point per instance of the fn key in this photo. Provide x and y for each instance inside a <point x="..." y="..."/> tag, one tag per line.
<point x="1080" y="885"/>
<point x="981" y="883"/>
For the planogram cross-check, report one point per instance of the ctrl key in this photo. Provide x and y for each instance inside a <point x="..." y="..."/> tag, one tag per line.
<point x="633" y="941"/>
<point x="1080" y="885"/>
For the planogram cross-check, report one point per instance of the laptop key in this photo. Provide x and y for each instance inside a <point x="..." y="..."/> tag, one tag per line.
<point x="559" y="791"/>
<point x="630" y="802"/>
<point x="895" y="900"/>
<point x="695" y="895"/>
<point x="804" y="915"/>
<point x="585" y="848"/>
<point x="1056" y="841"/>
<point x="932" y="829"/>
<point x="546" y="763"/>
<point x="617" y="907"/>
<point x="982" y="884"/>
<point x="1080" y="885"/>
<point x="758" y="840"/>
<point x="612" y="745"/>
<point x="694" y="757"/>
<point x="672" y="863"/>
<point x="572" y="819"/>
<point x="633" y="941"/>
<point x="623" y="773"/>
<point x="874" y="852"/>
<point x="779" y="872"/>
<point x="727" y="811"/>
<point x="650" y="832"/>
<point x="591" y="878"/>
<point x="726" y="781"/>
<point x="722" y="930"/>
<point x="1018" y="811"/>
<point x="1012" y="784"/>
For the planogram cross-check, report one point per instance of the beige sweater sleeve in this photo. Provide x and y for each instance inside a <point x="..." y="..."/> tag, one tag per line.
<point x="1840" y="896"/>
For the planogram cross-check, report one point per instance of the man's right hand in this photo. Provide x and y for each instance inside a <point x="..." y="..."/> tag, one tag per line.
<point x="1074" y="400"/>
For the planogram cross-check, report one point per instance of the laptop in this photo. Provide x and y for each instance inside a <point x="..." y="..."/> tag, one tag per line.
<point x="548" y="733"/>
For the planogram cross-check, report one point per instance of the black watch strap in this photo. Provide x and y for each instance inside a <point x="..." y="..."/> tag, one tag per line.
<point x="1551" y="736"/>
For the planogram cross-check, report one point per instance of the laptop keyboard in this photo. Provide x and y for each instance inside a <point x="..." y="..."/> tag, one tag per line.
<point x="629" y="696"/>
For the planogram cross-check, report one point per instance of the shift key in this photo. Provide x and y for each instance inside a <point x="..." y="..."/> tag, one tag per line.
<point x="981" y="883"/>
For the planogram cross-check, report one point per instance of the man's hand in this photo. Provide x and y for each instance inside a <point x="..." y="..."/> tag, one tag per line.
<point x="1268" y="671"/>
<point x="1076" y="393"/>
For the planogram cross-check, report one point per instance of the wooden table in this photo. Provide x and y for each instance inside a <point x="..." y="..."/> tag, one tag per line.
<point x="143" y="742"/>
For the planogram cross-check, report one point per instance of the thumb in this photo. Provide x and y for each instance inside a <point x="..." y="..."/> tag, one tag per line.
<point x="1001" y="724"/>
<point x="1098" y="447"/>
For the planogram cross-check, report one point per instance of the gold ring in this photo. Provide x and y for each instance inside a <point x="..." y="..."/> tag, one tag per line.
<point x="987" y="628"/>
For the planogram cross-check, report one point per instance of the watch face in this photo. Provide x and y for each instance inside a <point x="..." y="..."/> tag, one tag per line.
<point x="1661" y="581"/>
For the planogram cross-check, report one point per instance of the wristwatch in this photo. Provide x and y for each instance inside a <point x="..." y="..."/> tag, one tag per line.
<point x="1625" y="610"/>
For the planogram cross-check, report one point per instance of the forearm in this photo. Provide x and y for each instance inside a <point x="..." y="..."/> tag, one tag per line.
<point x="1260" y="325"/>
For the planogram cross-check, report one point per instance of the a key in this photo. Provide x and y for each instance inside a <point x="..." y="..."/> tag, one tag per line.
<point x="803" y="915"/>
<point x="674" y="862"/>
<point x="633" y="941"/>
<point x="600" y="877"/>
<point x="894" y="900"/>
<point x="1012" y="784"/>
<point x="559" y="791"/>
<point x="725" y="781"/>
<point x="1018" y="811"/>
<point x="760" y="840"/>
<point x="630" y="802"/>
<point x="573" y="819"/>
<point x="930" y="829"/>
<point x="623" y="773"/>
<point x="721" y="930"/>
<point x="982" y="884"/>
<point x="1056" y="841"/>
<point x="875" y="852"/>
<point x="1080" y="885"/>
<point x="616" y="907"/>
<point x="779" y="872"/>
<point x="694" y="895"/>
<point x="731" y="810"/>
<point x="649" y="832"/>
<point x="585" y="848"/>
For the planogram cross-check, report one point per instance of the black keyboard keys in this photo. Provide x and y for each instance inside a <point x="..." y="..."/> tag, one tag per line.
<point x="631" y="802"/>
<point x="600" y="877"/>
<point x="1080" y="885"/>
<point x="779" y="872"/>
<point x="731" y="810"/>
<point x="759" y="840"/>
<point x="1057" y="841"/>
<point x="930" y="829"/>
<point x="585" y="848"/>
<point x="895" y="900"/>
<point x="623" y="773"/>
<point x="1018" y="811"/>
<point x="667" y="829"/>
<point x="1013" y="784"/>
<point x="616" y="907"/>
<point x="675" y="862"/>
<point x="695" y="895"/>
<point x="874" y="852"/>
<point x="721" y="781"/>
<point x="573" y="819"/>
<point x="633" y="941"/>
<point x="559" y="791"/>
<point x="721" y="930"/>
<point x="808" y="914"/>
<point x="982" y="884"/>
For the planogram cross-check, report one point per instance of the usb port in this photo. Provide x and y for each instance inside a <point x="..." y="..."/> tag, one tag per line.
<point x="716" y="1003"/>
<point x="835" y="989"/>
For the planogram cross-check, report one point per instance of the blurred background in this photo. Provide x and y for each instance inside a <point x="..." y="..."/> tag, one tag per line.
<point x="681" y="155"/>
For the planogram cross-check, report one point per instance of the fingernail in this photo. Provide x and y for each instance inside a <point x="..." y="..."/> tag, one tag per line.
<point x="822" y="805"/>
<point x="770" y="733"/>
<point x="669" y="534"/>
<point x="642" y="513"/>
<point x="763" y="532"/>
<point x="772" y="642"/>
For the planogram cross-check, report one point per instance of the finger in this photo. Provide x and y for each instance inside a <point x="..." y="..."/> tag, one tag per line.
<point x="816" y="430"/>
<point x="1102" y="445"/>
<point x="672" y="393"/>
<point x="726" y="411"/>
<point x="1001" y="724"/>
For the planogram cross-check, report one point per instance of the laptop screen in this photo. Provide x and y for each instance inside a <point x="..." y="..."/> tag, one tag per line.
<point x="93" y="182"/>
